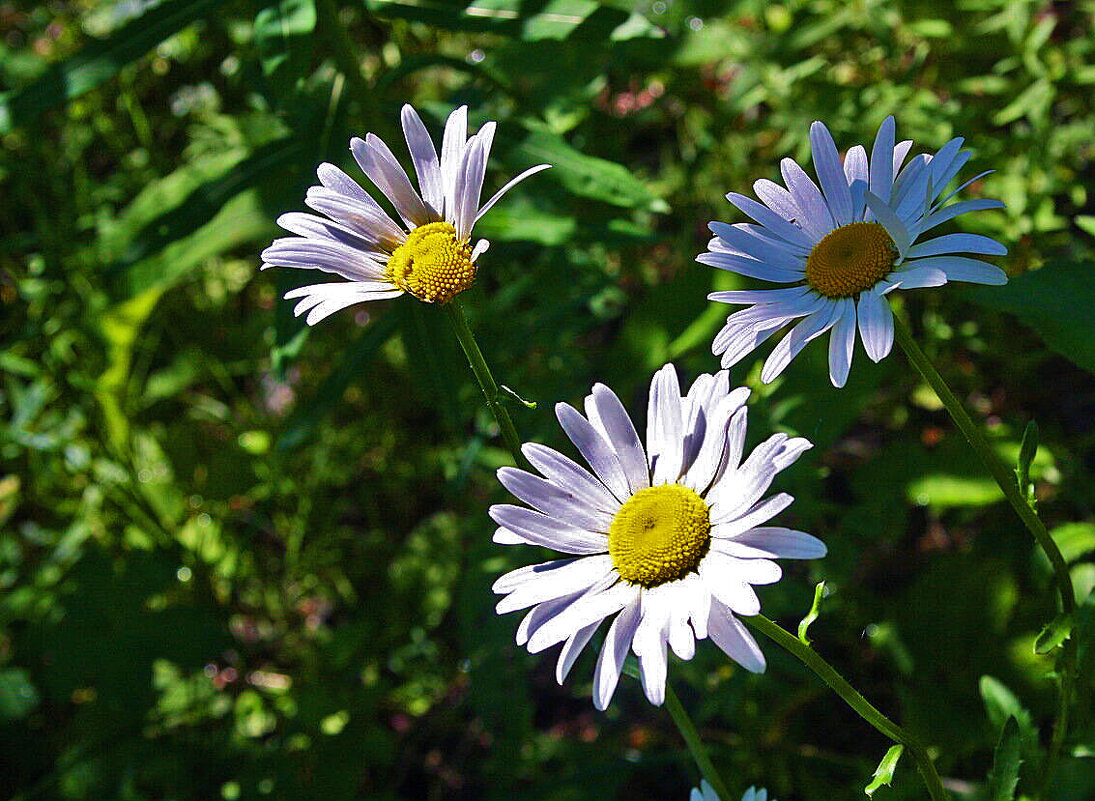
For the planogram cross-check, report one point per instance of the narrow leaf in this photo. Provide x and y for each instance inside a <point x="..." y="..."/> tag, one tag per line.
<point x="883" y="774"/>
<point x="1027" y="451"/>
<point x="99" y="61"/>
<point x="1055" y="632"/>
<point x="1005" y="763"/>
<point x="812" y="615"/>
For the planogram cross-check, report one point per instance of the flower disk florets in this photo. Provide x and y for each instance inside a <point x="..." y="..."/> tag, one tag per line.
<point x="433" y="264"/>
<point x="659" y="535"/>
<point x="850" y="259"/>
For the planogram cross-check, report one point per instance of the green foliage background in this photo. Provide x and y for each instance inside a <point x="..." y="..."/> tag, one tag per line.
<point x="241" y="559"/>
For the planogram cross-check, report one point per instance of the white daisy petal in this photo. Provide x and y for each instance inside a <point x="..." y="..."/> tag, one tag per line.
<point x="379" y="163"/>
<point x="509" y="185"/>
<point x="611" y="659"/>
<point x="426" y="164"/>
<point x="959" y="268"/>
<point x="958" y="243"/>
<point x="772" y="542"/>
<point x="749" y="267"/>
<point x="771" y="220"/>
<point x="586" y="610"/>
<point x="915" y="276"/>
<point x="554" y="501"/>
<point x="571" y="476"/>
<point x="842" y="342"/>
<point x="757" y="248"/>
<point x="815" y="216"/>
<point x="809" y="329"/>
<point x="539" y="529"/>
<point x="948" y="213"/>
<point x="831" y="174"/>
<point x="875" y="325"/>
<point x="594" y="449"/>
<point x="730" y="635"/>
<point x="777" y="199"/>
<point x="889" y="219"/>
<point x="761" y="512"/>
<point x="558" y="578"/>
<point x="622" y="436"/>
<point x="572" y="649"/>
<point x="882" y="160"/>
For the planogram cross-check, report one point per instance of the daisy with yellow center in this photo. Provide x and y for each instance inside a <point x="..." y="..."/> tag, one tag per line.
<point x="667" y="539"/>
<point x="842" y="247"/>
<point x="428" y="255"/>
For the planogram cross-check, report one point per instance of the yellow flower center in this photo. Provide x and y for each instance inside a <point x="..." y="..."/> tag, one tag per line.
<point x="433" y="265"/>
<point x="850" y="260"/>
<point x="659" y="535"/>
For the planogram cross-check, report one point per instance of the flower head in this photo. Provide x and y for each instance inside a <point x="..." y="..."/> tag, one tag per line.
<point x="429" y="254"/>
<point x="668" y="540"/>
<point x="705" y="792"/>
<point x="841" y="248"/>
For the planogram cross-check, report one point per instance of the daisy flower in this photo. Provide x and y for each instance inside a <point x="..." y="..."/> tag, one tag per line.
<point x="667" y="540"/>
<point x="429" y="255"/>
<point x="705" y="792"/>
<point x="841" y="248"/>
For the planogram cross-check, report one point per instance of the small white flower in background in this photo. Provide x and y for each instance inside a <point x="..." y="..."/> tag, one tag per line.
<point x="706" y="792"/>
<point x="429" y="256"/>
<point x="667" y="539"/>
<point x="842" y="248"/>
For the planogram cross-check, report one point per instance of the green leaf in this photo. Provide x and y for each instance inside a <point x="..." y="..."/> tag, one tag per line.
<point x="1074" y="539"/>
<point x="554" y="19"/>
<point x="1027" y="451"/>
<point x="812" y="615"/>
<point x="883" y="774"/>
<point x="283" y="36"/>
<point x="99" y="61"/>
<point x="586" y="176"/>
<point x="1005" y="763"/>
<point x="1056" y="302"/>
<point x="1001" y="704"/>
<point x="1054" y="633"/>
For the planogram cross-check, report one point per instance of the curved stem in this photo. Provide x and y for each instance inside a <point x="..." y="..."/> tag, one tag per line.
<point x="828" y="674"/>
<point x="483" y="375"/>
<point x="692" y="740"/>
<point x="1010" y="487"/>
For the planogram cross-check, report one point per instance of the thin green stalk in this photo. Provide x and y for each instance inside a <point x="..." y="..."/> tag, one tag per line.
<point x="828" y="674"/>
<point x="1010" y="487"/>
<point x="1004" y="477"/>
<point x="491" y="393"/>
<point x="692" y="740"/>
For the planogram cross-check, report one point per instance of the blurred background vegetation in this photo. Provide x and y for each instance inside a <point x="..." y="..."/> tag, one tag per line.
<point x="240" y="559"/>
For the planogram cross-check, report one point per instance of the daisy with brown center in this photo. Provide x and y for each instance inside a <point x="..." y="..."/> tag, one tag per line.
<point x="668" y="540"/>
<point x="430" y="255"/>
<point x="841" y="248"/>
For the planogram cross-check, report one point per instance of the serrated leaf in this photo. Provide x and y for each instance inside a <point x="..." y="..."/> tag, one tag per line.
<point x="1056" y="302"/>
<point x="812" y="615"/>
<point x="883" y="774"/>
<point x="555" y="19"/>
<point x="1005" y="763"/>
<point x="1054" y="633"/>
<point x="99" y="61"/>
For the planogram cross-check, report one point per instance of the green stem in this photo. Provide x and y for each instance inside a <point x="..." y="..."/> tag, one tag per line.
<point x="1010" y="487"/>
<point x="692" y="740"/>
<point x="1004" y="477"/>
<point x="483" y="375"/>
<point x="828" y="674"/>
